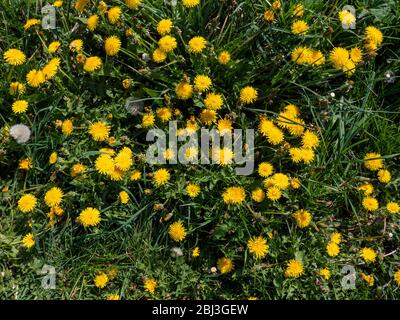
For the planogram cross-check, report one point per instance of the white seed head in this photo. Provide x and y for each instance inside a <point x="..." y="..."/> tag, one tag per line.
<point x="20" y="132"/>
<point x="176" y="252"/>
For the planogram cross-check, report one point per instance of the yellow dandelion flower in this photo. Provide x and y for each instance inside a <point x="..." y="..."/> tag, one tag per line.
<point x="300" y="27"/>
<point x="280" y="180"/>
<point x="332" y="249"/>
<point x="325" y="273"/>
<point x="114" y="15"/>
<point x="196" y="252"/>
<point x="184" y="90"/>
<point x="164" y="114"/>
<point x="208" y="116"/>
<point x="356" y="55"/>
<point x="316" y="58"/>
<point x="53" y="197"/>
<point x="294" y="269"/>
<point x="234" y="195"/>
<point x="296" y="155"/>
<point x="76" y="45"/>
<point x="20" y="106"/>
<point x="223" y="156"/>
<point x="89" y="217"/>
<point x="248" y="95"/>
<point x="164" y="26"/>
<point x="112" y="45"/>
<point x="274" y="193"/>
<point x="370" y="203"/>
<point x="190" y="3"/>
<point x="99" y="131"/>
<point x="136" y="175"/>
<point x="123" y="160"/>
<point x="303" y="218"/>
<point x="102" y="7"/>
<point x="225" y="265"/>
<point x="167" y="43"/>
<point x="396" y="277"/>
<point x="202" y="83"/>
<point x="31" y="23"/>
<point x="67" y="127"/>
<point x="336" y="237"/>
<point x="367" y="188"/>
<point x="150" y="285"/>
<point x="51" y="68"/>
<point x="17" y="88"/>
<point x="123" y="197"/>
<point x="191" y="153"/>
<point x="301" y="55"/>
<point x="224" y="126"/>
<point x="193" y="190"/>
<point x="265" y="169"/>
<point x="373" y="35"/>
<point x="14" y="57"/>
<point x="28" y="241"/>
<point x="197" y="44"/>
<point x="393" y="207"/>
<point x="298" y="10"/>
<point x="349" y="67"/>
<point x="339" y="57"/>
<point x="309" y="140"/>
<point x="54" y="46"/>
<point x="177" y="231"/>
<point x="295" y="183"/>
<point x="258" y="247"/>
<point x="25" y="164"/>
<point x="35" y="78"/>
<point x="368" y="254"/>
<point x="273" y="134"/>
<point x="159" y="55"/>
<point x="77" y="169"/>
<point x="113" y="297"/>
<point x="224" y="57"/>
<point x="276" y="5"/>
<point x="133" y="4"/>
<point x="92" y="64"/>
<point x="148" y="120"/>
<point x="80" y="5"/>
<point x="168" y="154"/>
<point x="213" y="101"/>
<point x="269" y="15"/>
<point x="104" y="164"/>
<point x="369" y="279"/>
<point x="92" y="22"/>
<point x="101" y="280"/>
<point x="27" y="203"/>
<point x="161" y="177"/>
<point x="373" y="161"/>
<point x="127" y="83"/>
<point x="258" y="195"/>
<point x="384" y="176"/>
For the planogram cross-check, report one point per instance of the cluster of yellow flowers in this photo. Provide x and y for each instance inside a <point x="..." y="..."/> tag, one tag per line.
<point x="374" y="162"/>
<point x="341" y="58"/>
